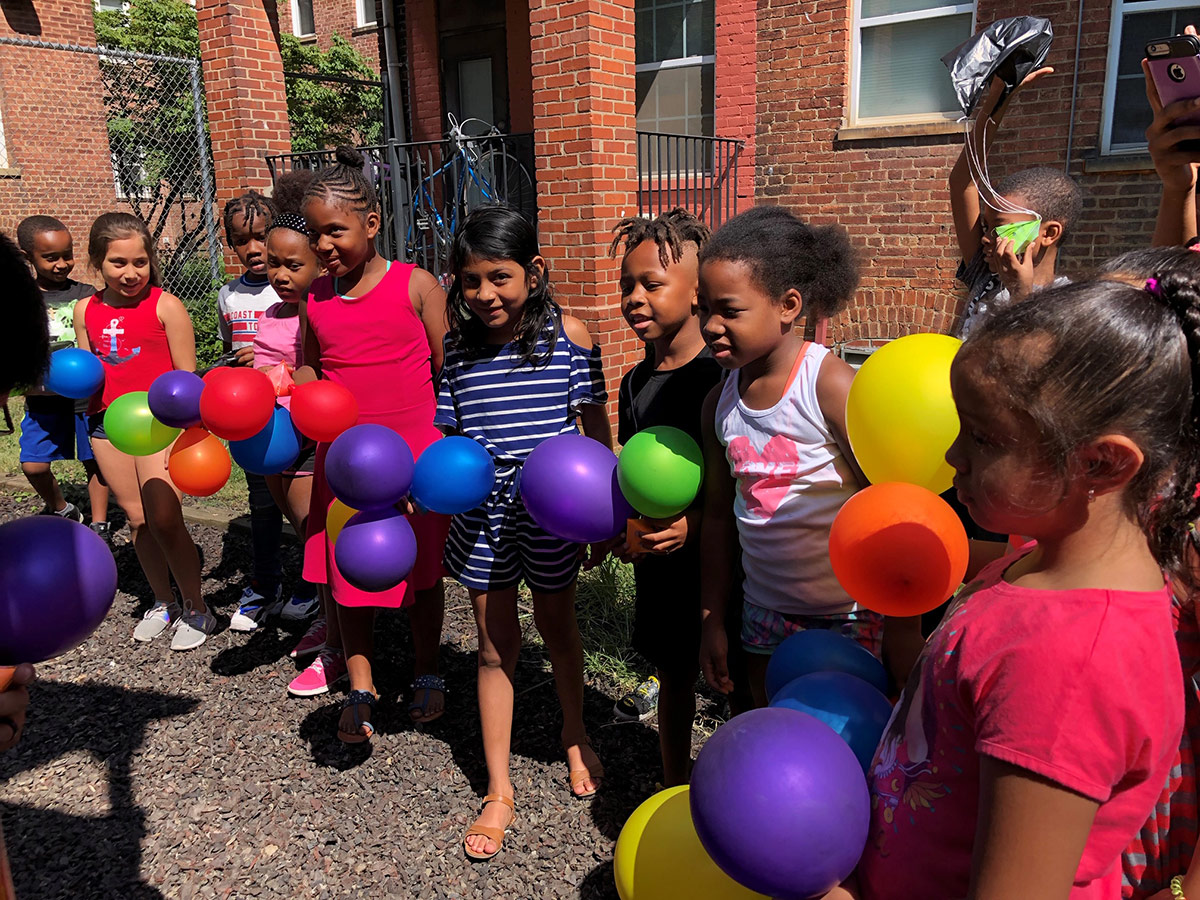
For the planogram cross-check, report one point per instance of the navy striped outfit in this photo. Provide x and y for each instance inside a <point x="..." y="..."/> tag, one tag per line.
<point x="491" y="396"/>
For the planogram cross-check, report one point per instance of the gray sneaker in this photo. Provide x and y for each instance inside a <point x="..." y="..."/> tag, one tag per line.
<point x="193" y="630"/>
<point x="156" y="620"/>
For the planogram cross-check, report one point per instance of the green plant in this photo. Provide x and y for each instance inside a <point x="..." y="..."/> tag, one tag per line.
<point x="324" y="114"/>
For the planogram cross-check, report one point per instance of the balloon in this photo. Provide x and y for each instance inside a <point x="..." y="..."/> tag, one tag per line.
<point x="820" y="650"/>
<point x="569" y="485"/>
<point x="335" y="520"/>
<point x="272" y="450"/>
<point x="199" y="463"/>
<point x="453" y="475"/>
<point x="660" y="470"/>
<point x="900" y="415"/>
<point x="322" y="409"/>
<point x="1008" y="48"/>
<point x="848" y="705"/>
<point x="369" y="467"/>
<point x="898" y="549"/>
<point x="376" y="549"/>
<point x="659" y="855"/>
<point x="780" y="803"/>
<point x="74" y="373"/>
<point x="57" y="582"/>
<point x="237" y="402"/>
<point x="175" y="398"/>
<point x="132" y="428"/>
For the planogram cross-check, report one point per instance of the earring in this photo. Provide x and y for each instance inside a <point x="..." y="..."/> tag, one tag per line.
<point x="1092" y="495"/>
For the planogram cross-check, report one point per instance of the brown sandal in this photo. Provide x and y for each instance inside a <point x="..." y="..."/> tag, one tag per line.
<point x="496" y="835"/>
<point x="578" y="776"/>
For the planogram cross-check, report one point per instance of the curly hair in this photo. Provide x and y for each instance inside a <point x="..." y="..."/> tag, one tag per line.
<point x="1052" y="194"/>
<point x="670" y="231"/>
<point x="290" y="188"/>
<point x="28" y="352"/>
<point x="249" y="206"/>
<point x="31" y="226"/>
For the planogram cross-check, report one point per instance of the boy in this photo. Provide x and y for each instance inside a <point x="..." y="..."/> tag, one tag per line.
<point x="55" y="427"/>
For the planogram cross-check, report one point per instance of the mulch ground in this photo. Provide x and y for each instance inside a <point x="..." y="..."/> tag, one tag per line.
<point x="145" y="773"/>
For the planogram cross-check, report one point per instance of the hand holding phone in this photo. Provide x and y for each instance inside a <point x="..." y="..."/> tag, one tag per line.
<point x="1173" y="64"/>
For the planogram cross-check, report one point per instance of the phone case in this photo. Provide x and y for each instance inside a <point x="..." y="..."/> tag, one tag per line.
<point x="1176" y="76"/>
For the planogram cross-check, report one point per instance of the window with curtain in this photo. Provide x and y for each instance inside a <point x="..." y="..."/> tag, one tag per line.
<point x="366" y="12"/>
<point x="676" y="57"/>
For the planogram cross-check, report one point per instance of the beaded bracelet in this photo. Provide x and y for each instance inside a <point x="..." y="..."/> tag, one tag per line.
<point x="1177" y="888"/>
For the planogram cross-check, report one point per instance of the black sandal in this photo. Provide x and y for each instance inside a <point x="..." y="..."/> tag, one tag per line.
<point x="426" y="683"/>
<point x="353" y="700"/>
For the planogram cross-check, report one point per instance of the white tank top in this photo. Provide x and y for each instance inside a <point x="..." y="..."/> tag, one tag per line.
<point x="791" y="481"/>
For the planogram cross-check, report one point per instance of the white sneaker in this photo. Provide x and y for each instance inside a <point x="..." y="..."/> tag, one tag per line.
<point x="254" y="608"/>
<point x="156" y="620"/>
<point x="193" y="630"/>
<point x="297" y="609"/>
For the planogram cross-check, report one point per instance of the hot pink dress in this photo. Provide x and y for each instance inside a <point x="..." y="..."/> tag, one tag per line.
<point x="375" y="345"/>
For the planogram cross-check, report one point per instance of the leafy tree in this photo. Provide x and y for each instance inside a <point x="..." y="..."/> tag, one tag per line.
<point x="324" y="114"/>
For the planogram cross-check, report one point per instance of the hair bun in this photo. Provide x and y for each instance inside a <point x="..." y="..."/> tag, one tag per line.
<point x="348" y="156"/>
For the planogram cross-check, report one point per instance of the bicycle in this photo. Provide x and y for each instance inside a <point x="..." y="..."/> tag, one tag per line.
<point x="477" y="170"/>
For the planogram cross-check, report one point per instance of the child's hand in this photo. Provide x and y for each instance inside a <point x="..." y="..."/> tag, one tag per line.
<point x="1015" y="272"/>
<point x="1176" y="167"/>
<point x="14" y="701"/>
<point x="714" y="655"/>
<point x="243" y="356"/>
<point x="672" y="535"/>
<point x="593" y="554"/>
<point x="994" y="108"/>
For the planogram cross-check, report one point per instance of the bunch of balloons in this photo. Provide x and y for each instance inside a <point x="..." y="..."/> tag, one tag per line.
<point x="897" y="547"/>
<point x="570" y="488"/>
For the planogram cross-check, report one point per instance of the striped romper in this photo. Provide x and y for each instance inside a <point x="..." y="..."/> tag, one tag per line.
<point x="488" y="394"/>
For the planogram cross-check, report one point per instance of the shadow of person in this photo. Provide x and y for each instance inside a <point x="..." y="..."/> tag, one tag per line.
<point x="598" y="884"/>
<point x="109" y="723"/>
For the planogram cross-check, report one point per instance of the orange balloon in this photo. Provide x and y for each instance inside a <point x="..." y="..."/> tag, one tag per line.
<point x="898" y="549"/>
<point x="199" y="463"/>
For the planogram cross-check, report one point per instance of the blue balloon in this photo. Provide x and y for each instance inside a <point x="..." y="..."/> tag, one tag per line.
<point x="847" y="704"/>
<point x="821" y="650"/>
<point x="74" y="373"/>
<point x="272" y="450"/>
<point x="453" y="475"/>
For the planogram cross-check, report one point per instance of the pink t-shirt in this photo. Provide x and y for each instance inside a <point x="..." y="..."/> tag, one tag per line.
<point x="278" y="340"/>
<point x="1081" y="687"/>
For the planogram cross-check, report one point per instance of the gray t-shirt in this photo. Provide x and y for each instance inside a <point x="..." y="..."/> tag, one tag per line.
<point x="985" y="292"/>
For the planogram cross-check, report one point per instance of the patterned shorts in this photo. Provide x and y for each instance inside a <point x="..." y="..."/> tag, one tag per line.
<point x="765" y="629"/>
<point x="497" y="545"/>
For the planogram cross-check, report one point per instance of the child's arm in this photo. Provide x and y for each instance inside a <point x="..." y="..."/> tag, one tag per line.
<point x="718" y="546"/>
<point x="429" y="300"/>
<point x="1030" y="835"/>
<point x="181" y="339"/>
<point x="592" y="416"/>
<point x="1176" y="167"/>
<point x="311" y="370"/>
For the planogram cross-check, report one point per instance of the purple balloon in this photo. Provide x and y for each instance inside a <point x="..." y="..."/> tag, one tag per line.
<point x="376" y="549"/>
<point x="780" y="803"/>
<point x="369" y="467"/>
<point x="57" y="582"/>
<point x="174" y="398"/>
<point x="569" y="485"/>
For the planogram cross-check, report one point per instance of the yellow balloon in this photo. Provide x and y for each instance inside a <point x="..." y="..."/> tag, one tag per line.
<point x="900" y="415"/>
<point x="658" y="855"/>
<point x="335" y="520"/>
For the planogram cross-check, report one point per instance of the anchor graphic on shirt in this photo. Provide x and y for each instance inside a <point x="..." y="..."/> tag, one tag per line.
<point x="112" y="331"/>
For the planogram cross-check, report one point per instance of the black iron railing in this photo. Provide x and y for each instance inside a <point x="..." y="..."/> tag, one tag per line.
<point x="699" y="174"/>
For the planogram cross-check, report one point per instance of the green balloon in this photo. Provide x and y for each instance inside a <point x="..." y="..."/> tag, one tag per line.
<point x="132" y="428"/>
<point x="659" y="471"/>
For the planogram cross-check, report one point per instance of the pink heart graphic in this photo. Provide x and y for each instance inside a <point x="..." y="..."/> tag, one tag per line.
<point x="764" y="478"/>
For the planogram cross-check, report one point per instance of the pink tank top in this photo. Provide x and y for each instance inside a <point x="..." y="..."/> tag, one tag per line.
<point x="375" y="345"/>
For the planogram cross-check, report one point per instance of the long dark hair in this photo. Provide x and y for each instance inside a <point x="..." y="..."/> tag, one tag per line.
<point x="500" y="233"/>
<point x="1102" y="357"/>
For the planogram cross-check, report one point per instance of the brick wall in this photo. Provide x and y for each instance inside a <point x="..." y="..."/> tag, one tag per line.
<point x="332" y="17"/>
<point x="584" y="122"/>
<point x="736" y="85"/>
<point x="424" y="67"/>
<point x="54" y="128"/>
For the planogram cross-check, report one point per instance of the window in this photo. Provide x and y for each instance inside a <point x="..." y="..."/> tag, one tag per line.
<point x="675" y="61"/>
<point x="1134" y="24"/>
<point x="302" y="18"/>
<point x="111" y="5"/>
<point x="897" y="73"/>
<point x="366" y="11"/>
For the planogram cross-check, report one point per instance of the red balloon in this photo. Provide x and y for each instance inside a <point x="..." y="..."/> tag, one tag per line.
<point x="236" y="403"/>
<point x="898" y="549"/>
<point x="199" y="463"/>
<point x="322" y="410"/>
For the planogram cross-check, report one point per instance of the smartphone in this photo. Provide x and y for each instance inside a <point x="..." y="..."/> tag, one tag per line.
<point x="1175" y="69"/>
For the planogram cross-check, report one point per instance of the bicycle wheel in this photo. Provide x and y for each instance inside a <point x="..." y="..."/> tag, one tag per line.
<point x="499" y="177"/>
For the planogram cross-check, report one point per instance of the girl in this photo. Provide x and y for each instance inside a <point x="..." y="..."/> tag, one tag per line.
<point x="375" y="327"/>
<point x="777" y="460"/>
<point x="518" y="371"/>
<point x="1041" y="721"/>
<point x="139" y="331"/>
<point x="291" y="267"/>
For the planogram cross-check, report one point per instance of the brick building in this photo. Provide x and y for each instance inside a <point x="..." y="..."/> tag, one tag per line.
<point x="317" y="21"/>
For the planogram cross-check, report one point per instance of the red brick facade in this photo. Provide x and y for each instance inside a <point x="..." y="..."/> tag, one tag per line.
<point x="332" y="17"/>
<point x="736" y="86"/>
<point x="425" y="110"/>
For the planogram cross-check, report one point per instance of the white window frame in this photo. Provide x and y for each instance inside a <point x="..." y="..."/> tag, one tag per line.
<point x="1120" y="8"/>
<point x="296" y="20"/>
<point x="681" y="62"/>
<point x="857" y="26"/>
<point x="360" y="13"/>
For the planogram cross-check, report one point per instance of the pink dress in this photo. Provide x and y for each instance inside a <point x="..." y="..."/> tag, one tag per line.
<point x="375" y="345"/>
<point x="278" y="341"/>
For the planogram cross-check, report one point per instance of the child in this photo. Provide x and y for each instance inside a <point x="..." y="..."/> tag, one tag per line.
<point x="777" y="460"/>
<point x="375" y="327"/>
<point x="518" y="371"/>
<point x="55" y="427"/>
<point x="992" y="270"/>
<point x="1044" y="714"/>
<point x="291" y="267"/>
<point x="140" y="331"/>
<point x="659" y="271"/>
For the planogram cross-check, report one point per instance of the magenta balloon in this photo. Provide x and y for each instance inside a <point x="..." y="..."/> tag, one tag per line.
<point x="174" y="398"/>
<point x="57" y="583"/>
<point x="569" y="485"/>
<point x="376" y="549"/>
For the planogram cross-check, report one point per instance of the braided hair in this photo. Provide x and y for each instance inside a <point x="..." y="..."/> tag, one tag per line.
<point x="249" y="205"/>
<point x="670" y="231"/>
<point x="345" y="183"/>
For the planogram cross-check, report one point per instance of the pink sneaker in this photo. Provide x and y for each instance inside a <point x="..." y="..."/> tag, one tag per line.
<point x="328" y="668"/>
<point x="313" y="640"/>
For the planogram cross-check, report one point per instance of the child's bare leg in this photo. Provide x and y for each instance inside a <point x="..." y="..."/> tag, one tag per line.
<point x="756" y="669"/>
<point x="120" y="472"/>
<point x="42" y="480"/>
<point x="164" y="516"/>
<point x="425" y="617"/>
<point x="676" y="712"/>
<point x="357" y="633"/>
<point x="97" y="491"/>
